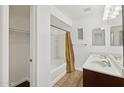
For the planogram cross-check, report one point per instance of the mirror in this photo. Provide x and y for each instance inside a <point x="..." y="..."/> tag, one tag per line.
<point x="116" y="36"/>
<point x="98" y="37"/>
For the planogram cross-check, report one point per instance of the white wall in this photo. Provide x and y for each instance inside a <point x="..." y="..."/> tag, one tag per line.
<point x="43" y="45"/>
<point x="19" y="44"/>
<point x="4" y="46"/>
<point x="44" y="41"/>
<point x="88" y="23"/>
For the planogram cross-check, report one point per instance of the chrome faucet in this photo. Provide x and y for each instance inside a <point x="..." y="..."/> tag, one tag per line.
<point x="107" y="62"/>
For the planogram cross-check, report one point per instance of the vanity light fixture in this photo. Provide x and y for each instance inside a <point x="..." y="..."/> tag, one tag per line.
<point x="111" y="11"/>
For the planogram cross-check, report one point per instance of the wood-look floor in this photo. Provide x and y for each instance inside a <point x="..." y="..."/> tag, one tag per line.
<point x="73" y="79"/>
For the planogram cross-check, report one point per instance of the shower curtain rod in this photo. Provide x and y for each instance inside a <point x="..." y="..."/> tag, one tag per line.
<point x="59" y="28"/>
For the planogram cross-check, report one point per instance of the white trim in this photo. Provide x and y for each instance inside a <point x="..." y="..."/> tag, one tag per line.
<point x="52" y="83"/>
<point x="80" y="69"/>
<point x="13" y="84"/>
<point x="33" y="46"/>
<point x="4" y="49"/>
<point x="56" y="69"/>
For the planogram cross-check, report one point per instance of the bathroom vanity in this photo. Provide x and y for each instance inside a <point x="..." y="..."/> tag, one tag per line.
<point x="101" y="71"/>
<point x="96" y="79"/>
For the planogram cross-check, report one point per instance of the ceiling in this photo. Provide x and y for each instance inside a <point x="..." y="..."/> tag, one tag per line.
<point x="78" y="11"/>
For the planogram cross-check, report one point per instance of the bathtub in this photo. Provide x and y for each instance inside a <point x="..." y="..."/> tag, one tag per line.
<point x="57" y="73"/>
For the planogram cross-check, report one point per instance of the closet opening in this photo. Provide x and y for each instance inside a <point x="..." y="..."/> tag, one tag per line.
<point x="19" y="46"/>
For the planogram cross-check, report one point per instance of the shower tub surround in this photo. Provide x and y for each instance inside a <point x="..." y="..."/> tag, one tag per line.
<point x="102" y="70"/>
<point x="57" y="73"/>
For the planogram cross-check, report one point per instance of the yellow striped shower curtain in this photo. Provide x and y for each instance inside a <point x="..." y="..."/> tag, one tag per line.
<point x="70" y="60"/>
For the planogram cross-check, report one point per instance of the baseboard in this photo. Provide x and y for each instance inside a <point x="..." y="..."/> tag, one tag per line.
<point x="4" y="85"/>
<point x="52" y="83"/>
<point x="80" y="69"/>
<point x="13" y="84"/>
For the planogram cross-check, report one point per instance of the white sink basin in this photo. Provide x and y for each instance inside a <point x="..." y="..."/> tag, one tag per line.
<point x="100" y="60"/>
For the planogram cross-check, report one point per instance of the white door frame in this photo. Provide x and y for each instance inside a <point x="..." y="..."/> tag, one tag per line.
<point x="4" y="46"/>
<point x="33" y="46"/>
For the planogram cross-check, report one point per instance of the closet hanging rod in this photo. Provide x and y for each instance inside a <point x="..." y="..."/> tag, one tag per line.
<point x="19" y="30"/>
<point x="59" y="28"/>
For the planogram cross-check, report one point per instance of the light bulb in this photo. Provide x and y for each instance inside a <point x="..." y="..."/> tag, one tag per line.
<point x="115" y="13"/>
<point x="110" y="12"/>
<point x="118" y="8"/>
